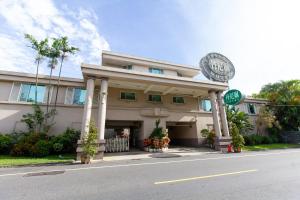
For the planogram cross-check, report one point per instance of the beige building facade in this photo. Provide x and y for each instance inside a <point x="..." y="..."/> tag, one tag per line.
<point x="124" y="93"/>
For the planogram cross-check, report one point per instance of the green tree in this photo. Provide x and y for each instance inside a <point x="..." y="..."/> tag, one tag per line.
<point x="65" y="50"/>
<point x="284" y="97"/>
<point x="36" y="121"/>
<point x="53" y="54"/>
<point x="266" y="119"/>
<point x="40" y="48"/>
<point x="239" y="119"/>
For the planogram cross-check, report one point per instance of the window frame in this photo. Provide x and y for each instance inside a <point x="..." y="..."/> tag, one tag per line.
<point x="127" y="67"/>
<point x="154" y="68"/>
<point x="32" y="85"/>
<point x="201" y="105"/>
<point x="178" y="102"/>
<point x="81" y="89"/>
<point x="151" y="101"/>
<point x="72" y="96"/>
<point x="248" y="108"/>
<point x="120" y="97"/>
<point x="179" y="74"/>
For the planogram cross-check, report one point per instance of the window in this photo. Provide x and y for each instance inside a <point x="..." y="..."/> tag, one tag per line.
<point x="154" y="98"/>
<point x="75" y="96"/>
<point x="156" y="71"/>
<point x="179" y="74"/>
<point x="128" y="96"/>
<point x="79" y="96"/>
<point x="178" y="100"/>
<point x="206" y="105"/>
<point x="129" y="67"/>
<point x="27" y="93"/>
<point x="251" y="108"/>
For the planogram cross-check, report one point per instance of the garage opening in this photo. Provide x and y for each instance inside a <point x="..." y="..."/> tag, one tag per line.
<point x="182" y="134"/>
<point x="122" y="135"/>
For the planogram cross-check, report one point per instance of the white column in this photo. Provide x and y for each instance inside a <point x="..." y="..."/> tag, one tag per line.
<point x="223" y="115"/>
<point x="87" y="107"/>
<point x="215" y="112"/>
<point x="102" y="108"/>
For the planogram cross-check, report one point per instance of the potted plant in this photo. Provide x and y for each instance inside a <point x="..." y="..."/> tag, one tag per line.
<point x="89" y="145"/>
<point x="237" y="139"/>
<point x="158" y="140"/>
<point x="210" y="136"/>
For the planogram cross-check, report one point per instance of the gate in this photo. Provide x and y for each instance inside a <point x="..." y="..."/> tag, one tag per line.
<point x="117" y="144"/>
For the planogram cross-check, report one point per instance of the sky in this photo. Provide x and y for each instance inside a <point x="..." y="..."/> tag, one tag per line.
<point x="260" y="37"/>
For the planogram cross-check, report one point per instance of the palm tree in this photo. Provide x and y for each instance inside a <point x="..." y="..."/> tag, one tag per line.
<point x="65" y="49"/>
<point x="53" y="54"/>
<point x="41" y="49"/>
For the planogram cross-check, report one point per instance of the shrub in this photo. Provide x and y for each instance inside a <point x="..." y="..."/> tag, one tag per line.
<point x="58" y="147"/>
<point x="209" y="136"/>
<point x="259" y="139"/>
<point x="25" y="144"/>
<point x="40" y="149"/>
<point x="66" y="142"/>
<point x="248" y="140"/>
<point x="275" y="139"/>
<point x="89" y="142"/>
<point x="157" y="132"/>
<point x="267" y="140"/>
<point x="6" y="143"/>
<point x="237" y="138"/>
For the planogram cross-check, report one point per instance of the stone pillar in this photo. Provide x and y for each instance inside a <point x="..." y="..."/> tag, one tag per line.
<point x="223" y="115"/>
<point x="215" y="112"/>
<point x="102" y="108"/>
<point x="87" y="111"/>
<point x="102" y="118"/>
<point x="86" y="117"/>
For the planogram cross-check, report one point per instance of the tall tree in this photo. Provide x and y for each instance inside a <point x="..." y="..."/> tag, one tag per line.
<point x="41" y="48"/>
<point x="284" y="97"/>
<point x="266" y="120"/>
<point x="65" y="50"/>
<point x="53" y="54"/>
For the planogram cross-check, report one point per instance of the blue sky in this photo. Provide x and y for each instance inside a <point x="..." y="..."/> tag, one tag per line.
<point x="261" y="38"/>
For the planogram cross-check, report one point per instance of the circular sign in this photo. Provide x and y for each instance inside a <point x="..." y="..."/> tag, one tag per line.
<point x="233" y="97"/>
<point x="217" y="67"/>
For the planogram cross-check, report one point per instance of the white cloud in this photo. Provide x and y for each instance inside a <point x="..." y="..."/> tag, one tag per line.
<point x="261" y="38"/>
<point x="43" y="19"/>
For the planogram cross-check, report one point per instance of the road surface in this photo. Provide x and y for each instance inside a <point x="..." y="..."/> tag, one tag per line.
<point x="254" y="175"/>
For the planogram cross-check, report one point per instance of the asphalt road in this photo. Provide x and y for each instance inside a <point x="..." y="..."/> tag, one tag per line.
<point x="264" y="175"/>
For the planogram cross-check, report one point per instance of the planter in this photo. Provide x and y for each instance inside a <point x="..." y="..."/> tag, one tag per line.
<point x="85" y="159"/>
<point x="154" y="150"/>
<point x="237" y="149"/>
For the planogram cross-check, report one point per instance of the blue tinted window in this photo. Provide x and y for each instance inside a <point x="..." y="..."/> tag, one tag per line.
<point x="28" y="93"/>
<point x="206" y="105"/>
<point x="79" y="96"/>
<point x="156" y="71"/>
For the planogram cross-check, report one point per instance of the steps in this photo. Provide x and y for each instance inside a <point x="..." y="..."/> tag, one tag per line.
<point x="222" y="143"/>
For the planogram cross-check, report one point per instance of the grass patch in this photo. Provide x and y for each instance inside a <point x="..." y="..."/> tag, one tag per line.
<point x="7" y="160"/>
<point x="263" y="147"/>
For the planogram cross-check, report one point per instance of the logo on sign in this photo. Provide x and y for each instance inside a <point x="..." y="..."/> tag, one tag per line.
<point x="233" y="97"/>
<point x="217" y="67"/>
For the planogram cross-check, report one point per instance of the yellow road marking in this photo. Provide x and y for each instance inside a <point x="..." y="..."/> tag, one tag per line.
<point x="204" y="177"/>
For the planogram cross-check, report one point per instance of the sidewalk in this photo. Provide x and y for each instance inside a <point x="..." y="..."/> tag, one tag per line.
<point x="170" y="153"/>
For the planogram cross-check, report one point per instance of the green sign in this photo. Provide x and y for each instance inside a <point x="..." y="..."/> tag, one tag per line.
<point x="233" y="97"/>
